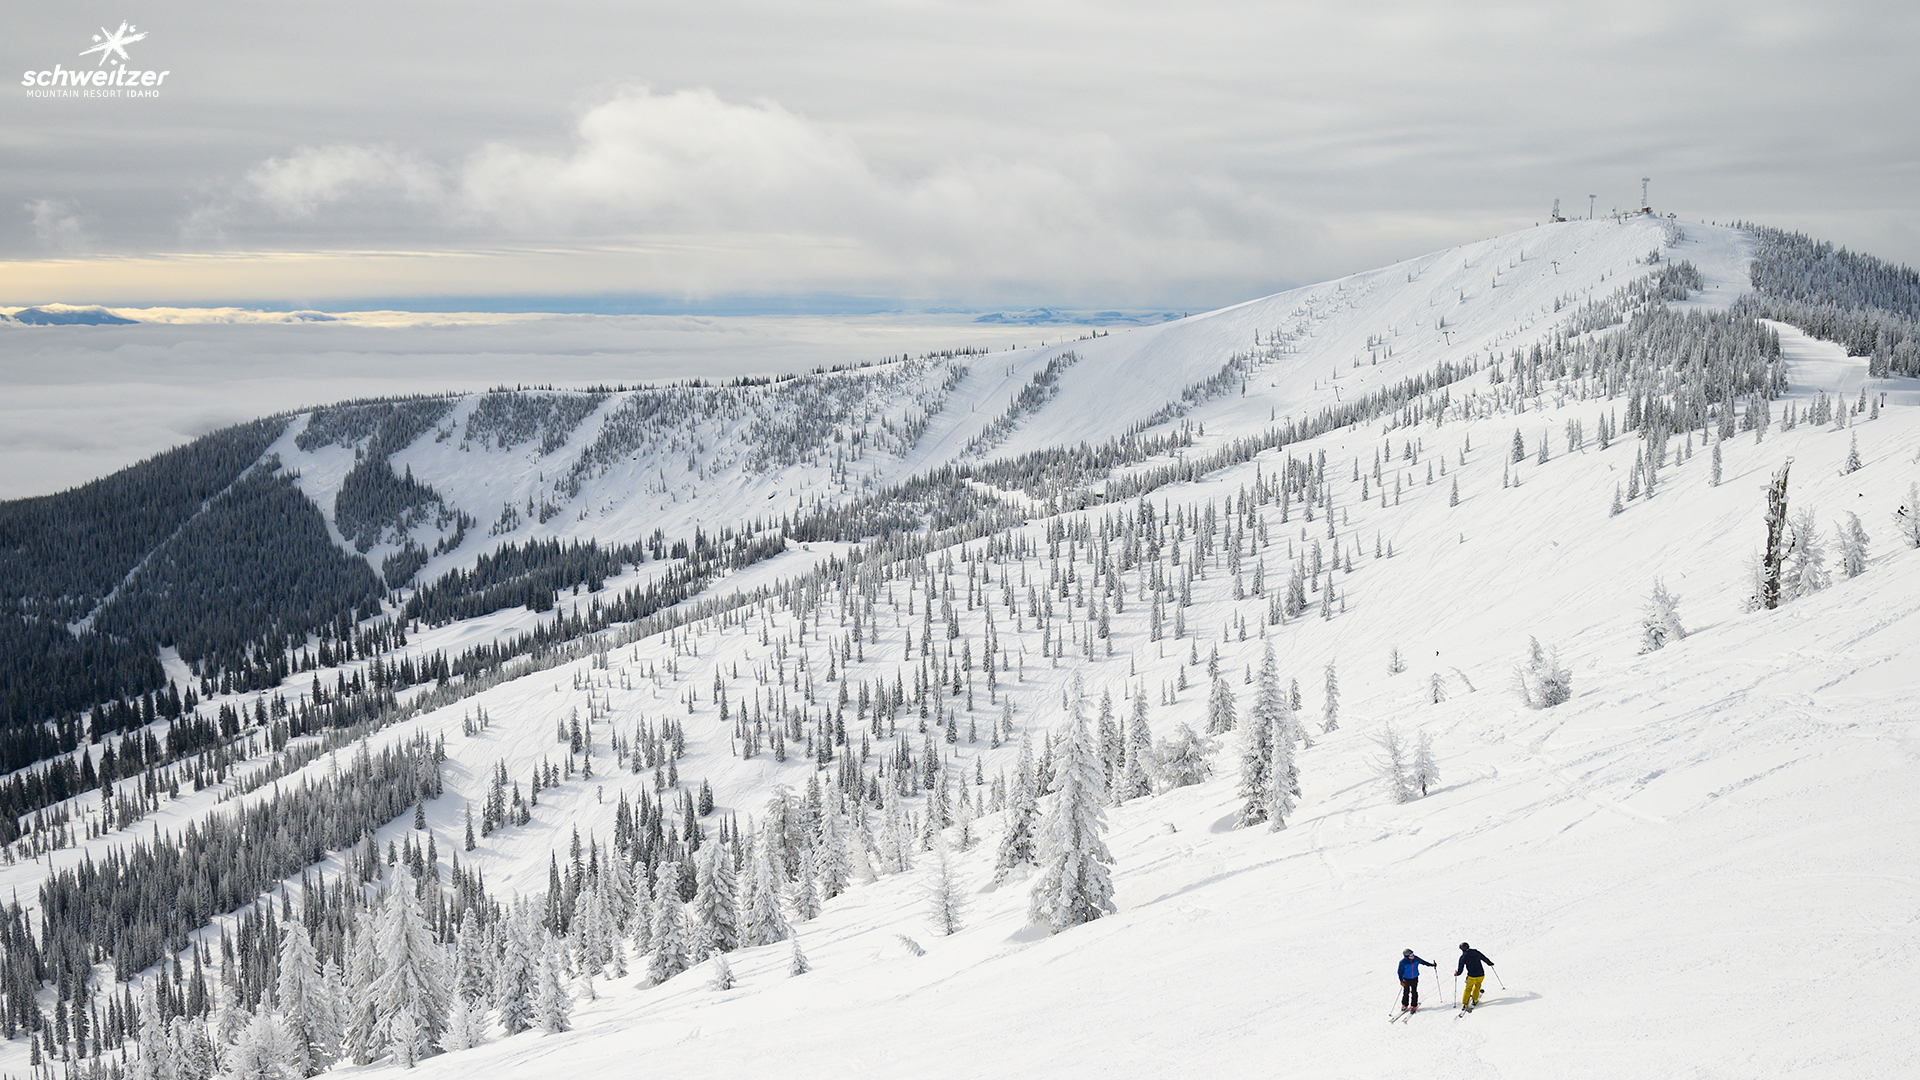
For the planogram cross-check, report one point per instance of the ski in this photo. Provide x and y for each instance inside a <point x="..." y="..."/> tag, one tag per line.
<point x="1401" y="1015"/>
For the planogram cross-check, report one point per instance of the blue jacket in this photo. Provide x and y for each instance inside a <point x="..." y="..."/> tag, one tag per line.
<point x="1410" y="967"/>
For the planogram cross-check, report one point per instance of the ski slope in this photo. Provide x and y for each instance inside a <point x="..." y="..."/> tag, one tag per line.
<point x="1707" y="863"/>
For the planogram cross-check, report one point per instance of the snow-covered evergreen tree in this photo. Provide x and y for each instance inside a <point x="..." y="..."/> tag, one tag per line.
<point x="1805" y="572"/>
<point x="1393" y="766"/>
<point x="1220" y="707"/>
<point x="1022" y="815"/>
<point x="946" y="897"/>
<point x="834" y="865"/>
<point x="1330" y="716"/>
<point x="1426" y="771"/>
<point x="1073" y="885"/>
<point x="1543" y="681"/>
<point x="1907" y="518"/>
<point x="763" y="923"/>
<point x="265" y="1050"/>
<point x="670" y="954"/>
<point x="555" y="1002"/>
<point x="1659" y="622"/>
<point x="716" y="903"/>
<point x="519" y="975"/>
<point x="303" y="1001"/>
<point x="1853" y="540"/>
<point x="1137" y="774"/>
<point x="414" y="978"/>
<point x="1263" y="727"/>
<point x="1182" y="758"/>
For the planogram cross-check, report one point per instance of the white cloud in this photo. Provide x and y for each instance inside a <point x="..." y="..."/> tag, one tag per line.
<point x="300" y="184"/>
<point x="59" y="225"/>
<point x="708" y="182"/>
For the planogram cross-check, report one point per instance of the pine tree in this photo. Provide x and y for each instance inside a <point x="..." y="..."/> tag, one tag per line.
<point x="555" y="1003"/>
<point x="302" y="998"/>
<point x="1853" y="455"/>
<point x="1220" y="707"/>
<point x="1138" y="773"/>
<point x="1774" y="557"/>
<point x="1263" y="728"/>
<point x="519" y="978"/>
<point x="1074" y="885"/>
<point x="946" y="898"/>
<point x="414" y="979"/>
<point x="1907" y="518"/>
<point x="1331" y="716"/>
<point x="1426" y="772"/>
<point x="1543" y="681"/>
<point x="1394" y="769"/>
<point x="1853" y="545"/>
<point x="764" y="922"/>
<point x="1016" y="841"/>
<point x="716" y="903"/>
<point x="1660" y="624"/>
<point x="1805" y="572"/>
<point x="265" y="1050"/>
<point x="1183" y="758"/>
<point x="670" y="947"/>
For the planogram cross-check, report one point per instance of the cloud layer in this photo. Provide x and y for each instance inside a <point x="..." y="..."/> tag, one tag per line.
<point x="1070" y="152"/>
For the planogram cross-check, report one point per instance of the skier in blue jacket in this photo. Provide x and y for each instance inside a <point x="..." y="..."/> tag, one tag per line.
<point x="1410" y="980"/>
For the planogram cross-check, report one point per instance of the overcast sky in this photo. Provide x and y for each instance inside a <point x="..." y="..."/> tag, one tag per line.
<point x="1143" y="154"/>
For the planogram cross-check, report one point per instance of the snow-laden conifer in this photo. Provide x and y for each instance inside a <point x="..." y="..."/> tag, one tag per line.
<point x="1907" y="518"/>
<point x="716" y="903"/>
<point x="1659" y="621"/>
<point x="1805" y="572"/>
<point x="1853" y="540"/>
<point x="555" y="1002"/>
<point x="414" y="978"/>
<point x="1137" y="775"/>
<point x="1330" y="715"/>
<point x="946" y="896"/>
<point x="1022" y="814"/>
<point x="1074" y="886"/>
<point x="670" y="954"/>
<point x="762" y="922"/>
<point x="1220" y="707"/>
<point x="1394" y="766"/>
<point x="300" y="993"/>
<point x="1183" y="757"/>
<point x="1426" y="771"/>
<point x="1542" y="681"/>
<point x="265" y="1050"/>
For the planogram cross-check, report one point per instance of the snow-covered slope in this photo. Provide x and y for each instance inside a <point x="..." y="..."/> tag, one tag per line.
<point x="1703" y="864"/>
<point x="615" y="467"/>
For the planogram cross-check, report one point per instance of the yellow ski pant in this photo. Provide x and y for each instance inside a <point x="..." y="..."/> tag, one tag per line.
<point x="1471" y="996"/>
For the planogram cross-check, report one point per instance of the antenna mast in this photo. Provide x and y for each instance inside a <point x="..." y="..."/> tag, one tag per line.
<point x="1645" y="206"/>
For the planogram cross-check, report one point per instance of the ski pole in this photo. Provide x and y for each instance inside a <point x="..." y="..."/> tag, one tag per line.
<point x="1496" y="978"/>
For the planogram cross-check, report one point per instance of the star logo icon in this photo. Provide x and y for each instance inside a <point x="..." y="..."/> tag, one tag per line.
<point x="114" y="43"/>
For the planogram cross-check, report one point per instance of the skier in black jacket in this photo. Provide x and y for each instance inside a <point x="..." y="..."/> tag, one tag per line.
<point x="1475" y="964"/>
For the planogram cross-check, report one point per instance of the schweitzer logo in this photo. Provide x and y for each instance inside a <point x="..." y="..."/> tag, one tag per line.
<point x="111" y="75"/>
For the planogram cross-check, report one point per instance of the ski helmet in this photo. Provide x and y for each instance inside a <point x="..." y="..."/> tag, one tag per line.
<point x="1464" y="946"/>
<point x="1406" y="952"/>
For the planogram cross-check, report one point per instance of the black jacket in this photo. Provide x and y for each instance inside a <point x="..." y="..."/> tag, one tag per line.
<point x="1470" y="961"/>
